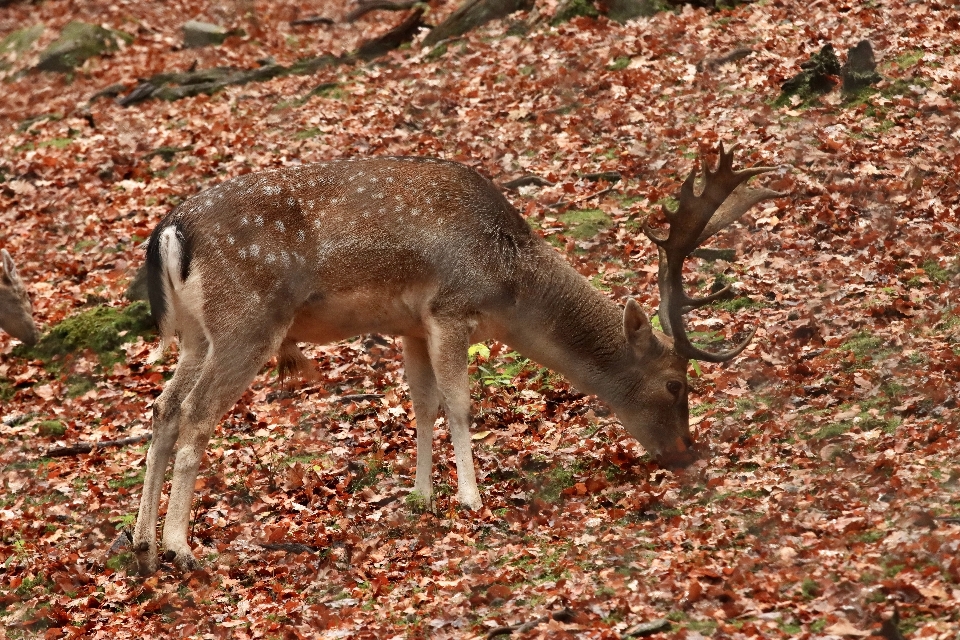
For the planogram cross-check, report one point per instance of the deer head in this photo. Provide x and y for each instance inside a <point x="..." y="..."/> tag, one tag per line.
<point x="721" y="199"/>
<point x="15" y="309"/>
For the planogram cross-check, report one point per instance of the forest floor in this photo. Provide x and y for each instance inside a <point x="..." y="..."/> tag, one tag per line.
<point x="830" y="495"/>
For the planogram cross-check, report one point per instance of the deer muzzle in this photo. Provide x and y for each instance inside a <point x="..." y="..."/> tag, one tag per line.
<point x="681" y="456"/>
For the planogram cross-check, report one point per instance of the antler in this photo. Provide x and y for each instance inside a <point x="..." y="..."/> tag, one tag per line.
<point x="723" y="199"/>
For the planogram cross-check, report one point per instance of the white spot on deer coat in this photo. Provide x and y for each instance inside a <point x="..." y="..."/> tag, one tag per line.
<point x="280" y="227"/>
<point x="255" y="250"/>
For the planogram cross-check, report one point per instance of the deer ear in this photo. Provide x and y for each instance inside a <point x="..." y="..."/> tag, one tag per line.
<point x="9" y="269"/>
<point x="637" y="328"/>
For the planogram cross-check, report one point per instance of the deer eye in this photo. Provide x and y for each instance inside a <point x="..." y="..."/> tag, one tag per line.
<point x="675" y="387"/>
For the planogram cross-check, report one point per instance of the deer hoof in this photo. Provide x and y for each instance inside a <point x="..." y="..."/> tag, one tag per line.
<point x="183" y="560"/>
<point x="472" y="502"/>
<point x="146" y="558"/>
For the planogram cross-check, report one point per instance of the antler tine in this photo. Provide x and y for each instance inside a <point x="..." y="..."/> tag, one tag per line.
<point x="722" y="200"/>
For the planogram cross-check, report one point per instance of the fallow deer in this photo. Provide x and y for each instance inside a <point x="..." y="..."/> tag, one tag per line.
<point x="421" y="248"/>
<point x="16" y="312"/>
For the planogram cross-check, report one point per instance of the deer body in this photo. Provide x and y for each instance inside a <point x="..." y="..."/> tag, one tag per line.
<point x="16" y="312"/>
<point x="425" y="249"/>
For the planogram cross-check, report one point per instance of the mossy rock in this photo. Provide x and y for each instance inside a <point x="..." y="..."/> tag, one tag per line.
<point x="17" y="42"/>
<point x="202" y="34"/>
<point x="586" y="223"/>
<point x="817" y="78"/>
<point x="77" y="43"/>
<point x="51" y="429"/>
<point x="571" y="9"/>
<point x="101" y="329"/>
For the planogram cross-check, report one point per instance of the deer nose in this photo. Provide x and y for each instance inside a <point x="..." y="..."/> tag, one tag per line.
<point x="683" y="455"/>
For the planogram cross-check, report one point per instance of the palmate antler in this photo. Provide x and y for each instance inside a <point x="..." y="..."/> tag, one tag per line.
<point x="723" y="199"/>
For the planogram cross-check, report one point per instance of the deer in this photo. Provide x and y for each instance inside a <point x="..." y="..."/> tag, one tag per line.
<point x="16" y="311"/>
<point x="425" y="249"/>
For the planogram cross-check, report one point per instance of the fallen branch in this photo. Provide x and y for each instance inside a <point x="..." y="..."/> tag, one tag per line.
<point x="364" y="8"/>
<point x="289" y="547"/>
<point x="608" y="176"/>
<point x="564" y="203"/>
<point x="311" y="21"/>
<point x="563" y="615"/>
<point x="360" y="397"/>
<point x="647" y="628"/>
<point x="403" y="32"/>
<point x="87" y="447"/>
<point x="526" y="180"/>
<point x="713" y="63"/>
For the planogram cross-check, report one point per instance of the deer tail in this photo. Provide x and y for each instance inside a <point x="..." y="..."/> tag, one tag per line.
<point x="168" y="265"/>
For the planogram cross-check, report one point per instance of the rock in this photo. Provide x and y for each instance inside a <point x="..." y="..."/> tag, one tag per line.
<point x="860" y="70"/>
<point x="77" y="42"/>
<point x="13" y="46"/>
<point x="202" y="34"/>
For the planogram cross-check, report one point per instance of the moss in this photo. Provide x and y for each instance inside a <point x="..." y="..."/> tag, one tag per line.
<point x="620" y="63"/>
<point x="935" y="272"/>
<point x="910" y="58"/>
<point x="572" y="9"/>
<point x="51" y="429"/>
<point x="128" y="481"/>
<point x="737" y="304"/>
<point x="101" y="329"/>
<point x="865" y="345"/>
<point x="585" y="223"/>
<point x="371" y="470"/>
<point x="816" y="79"/>
<point x="17" y="42"/>
<point x="437" y="52"/>
<point x="416" y="502"/>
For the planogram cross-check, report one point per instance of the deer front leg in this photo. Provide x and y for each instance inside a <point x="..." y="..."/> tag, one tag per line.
<point x="449" y="342"/>
<point x="426" y="403"/>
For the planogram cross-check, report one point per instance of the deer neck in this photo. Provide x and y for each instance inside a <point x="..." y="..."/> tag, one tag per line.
<point x="562" y="322"/>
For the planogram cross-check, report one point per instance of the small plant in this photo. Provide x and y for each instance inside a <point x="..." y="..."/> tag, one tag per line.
<point x="416" y="502"/>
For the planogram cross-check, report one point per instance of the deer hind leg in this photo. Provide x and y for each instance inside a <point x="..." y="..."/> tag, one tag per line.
<point x="426" y="404"/>
<point x="230" y="367"/>
<point x="166" y="428"/>
<point x="448" y="341"/>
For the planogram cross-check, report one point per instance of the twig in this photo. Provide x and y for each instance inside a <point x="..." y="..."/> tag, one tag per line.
<point x="360" y="397"/>
<point x="563" y="203"/>
<point x="311" y="21"/>
<point x="609" y="176"/>
<point x="712" y="63"/>
<point x="526" y="180"/>
<point x="87" y="447"/>
<point x="563" y="615"/>
<point x="647" y="628"/>
<point x="290" y="547"/>
<point x="364" y="8"/>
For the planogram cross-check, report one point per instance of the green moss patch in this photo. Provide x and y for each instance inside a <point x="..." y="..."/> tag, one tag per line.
<point x="103" y="330"/>
<point x="586" y="223"/>
<point x="51" y="429"/>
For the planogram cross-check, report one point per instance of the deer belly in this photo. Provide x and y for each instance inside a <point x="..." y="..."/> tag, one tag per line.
<point x="342" y="315"/>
